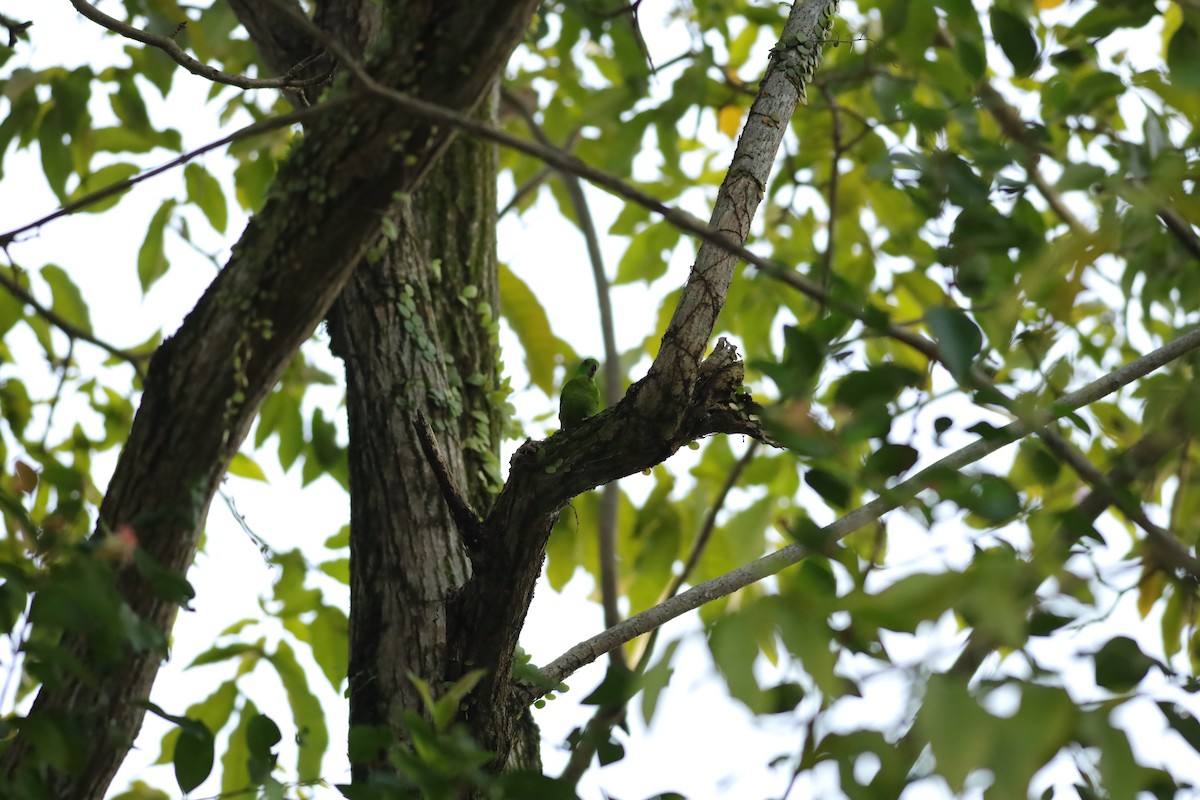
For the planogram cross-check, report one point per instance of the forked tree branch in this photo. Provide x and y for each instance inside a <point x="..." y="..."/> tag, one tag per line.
<point x="587" y="651"/>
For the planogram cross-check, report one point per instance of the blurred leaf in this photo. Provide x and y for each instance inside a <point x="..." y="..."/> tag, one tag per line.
<point x="68" y="300"/>
<point x="101" y="178"/>
<point x="959" y="340"/>
<point x="312" y="736"/>
<point x="529" y="322"/>
<point x="1121" y="665"/>
<point x="152" y="261"/>
<point x="205" y="191"/>
<point x="1015" y="39"/>
<point x="244" y="467"/>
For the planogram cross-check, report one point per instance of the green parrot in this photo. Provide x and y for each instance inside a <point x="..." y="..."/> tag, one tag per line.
<point x="580" y="395"/>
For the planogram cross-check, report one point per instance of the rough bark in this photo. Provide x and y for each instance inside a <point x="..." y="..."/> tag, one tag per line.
<point x="444" y="248"/>
<point x="416" y="331"/>
<point x="205" y="384"/>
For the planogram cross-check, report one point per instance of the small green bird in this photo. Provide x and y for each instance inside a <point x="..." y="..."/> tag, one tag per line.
<point x="580" y="395"/>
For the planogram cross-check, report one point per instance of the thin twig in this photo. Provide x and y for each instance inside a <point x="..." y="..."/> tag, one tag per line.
<point x="251" y="130"/>
<point x="16" y="30"/>
<point x="58" y="390"/>
<point x="169" y="46"/>
<point x="835" y="132"/>
<point x="533" y="184"/>
<point x="587" y="651"/>
<point x="609" y="716"/>
<point x="73" y="331"/>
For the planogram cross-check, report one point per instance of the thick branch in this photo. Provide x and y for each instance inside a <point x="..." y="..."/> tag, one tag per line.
<point x="674" y="370"/>
<point x="465" y="518"/>
<point x="205" y="384"/>
<point x="586" y="652"/>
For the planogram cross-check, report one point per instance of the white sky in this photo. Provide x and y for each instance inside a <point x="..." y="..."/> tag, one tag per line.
<point x="701" y="743"/>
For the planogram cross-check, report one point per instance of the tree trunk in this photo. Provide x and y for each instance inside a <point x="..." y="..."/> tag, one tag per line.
<point x="416" y="327"/>
<point x="205" y="384"/>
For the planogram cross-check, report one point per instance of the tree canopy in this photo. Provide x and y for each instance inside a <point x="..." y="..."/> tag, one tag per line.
<point x="935" y="357"/>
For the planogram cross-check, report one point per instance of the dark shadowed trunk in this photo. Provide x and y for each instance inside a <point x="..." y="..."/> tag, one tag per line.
<point x="352" y="168"/>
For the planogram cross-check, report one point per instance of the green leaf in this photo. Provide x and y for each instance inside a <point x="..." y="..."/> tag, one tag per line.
<point x="734" y="648"/>
<point x="1183" y="57"/>
<point x="1183" y="722"/>
<point x="330" y="643"/>
<point x="309" y="717"/>
<point x="529" y="322"/>
<point x="646" y="257"/>
<point x="152" y="262"/>
<point x="1016" y="40"/>
<point x="959" y="731"/>
<point x="205" y="191"/>
<point x="887" y="461"/>
<point x="245" y="467"/>
<point x="994" y="499"/>
<point x="215" y="654"/>
<point x="213" y="712"/>
<point x="971" y="58"/>
<point x="105" y="176"/>
<point x="958" y="338"/>
<point x="1121" y="665"/>
<point x="875" y="386"/>
<point x="338" y="569"/>
<point x="618" y="686"/>
<point x="193" y="755"/>
<point x="252" y="179"/>
<point x="324" y="440"/>
<point x="262" y="734"/>
<point x="56" y="156"/>
<point x="235" y="762"/>
<point x="68" y="301"/>
<point x="1105" y="18"/>
<point x="655" y="679"/>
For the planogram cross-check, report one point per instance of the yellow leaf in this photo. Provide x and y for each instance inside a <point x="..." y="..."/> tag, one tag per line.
<point x="245" y="467"/>
<point x="729" y="120"/>
<point x="1150" y="588"/>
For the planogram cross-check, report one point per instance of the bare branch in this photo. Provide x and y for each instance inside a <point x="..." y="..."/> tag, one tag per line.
<point x="531" y="185"/>
<point x="254" y="129"/>
<point x="168" y="45"/>
<point x="586" y="652"/>
<point x="73" y="331"/>
<point x="1164" y="549"/>
<point x="1182" y="230"/>
<point x="835" y="157"/>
